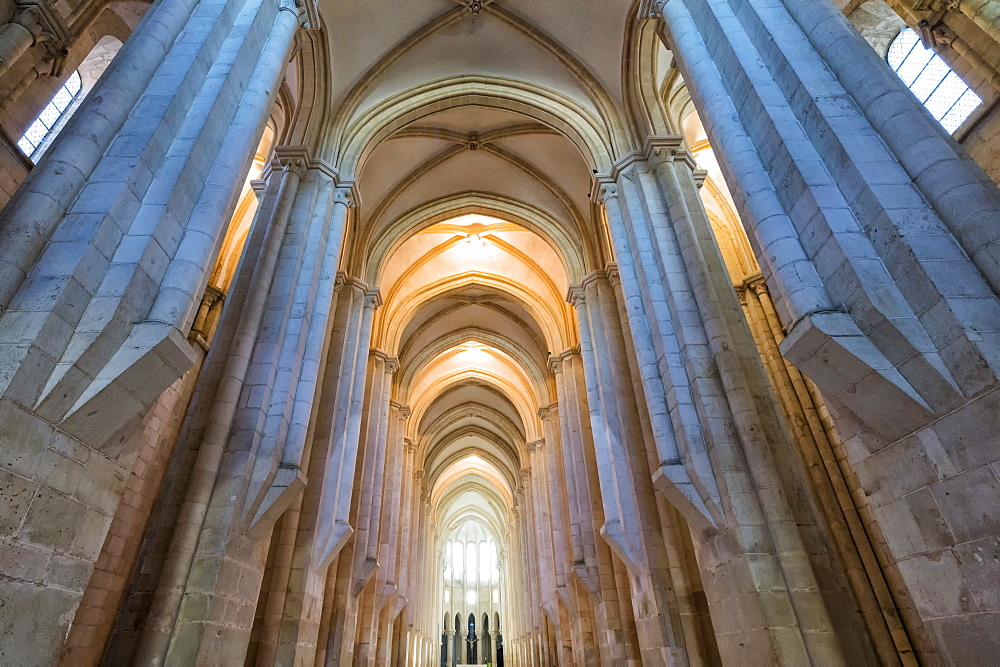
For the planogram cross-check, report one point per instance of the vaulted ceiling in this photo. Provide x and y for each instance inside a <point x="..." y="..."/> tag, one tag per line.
<point x="472" y="131"/>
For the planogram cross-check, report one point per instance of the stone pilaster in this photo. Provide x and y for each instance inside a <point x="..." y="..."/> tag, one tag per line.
<point x="326" y="519"/>
<point x="667" y="253"/>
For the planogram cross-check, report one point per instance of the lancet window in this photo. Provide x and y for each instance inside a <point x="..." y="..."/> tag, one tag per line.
<point x="55" y="113"/>
<point x="928" y="77"/>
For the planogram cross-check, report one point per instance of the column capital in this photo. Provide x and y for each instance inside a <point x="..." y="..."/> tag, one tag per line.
<point x="575" y="296"/>
<point x="257" y="186"/>
<point x="390" y="363"/>
<point x="372" y="296"/>
<point x="346" y="196"/>
<point x="291" y="159"/>
<point x="373" y="299"/>
<point x="606" y="191"/>
<point x="611" y="269"/>
<point x="555" y="366"/>
<point x="45" y="25"/>
<point x="556" y="360"/>
<point x="549" y="411"/>
<point x="757" y="284"/>
<point x="306" y="11"/>
<point x="535" y="446"/>
<point x="741" y="294"/>
<point x="653" y="9"/>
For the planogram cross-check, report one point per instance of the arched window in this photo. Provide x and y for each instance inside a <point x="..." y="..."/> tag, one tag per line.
<point x="458" y="561"/>
<point x="484" y="563"/>
<point x="470" y="563"/>
<point x="937" y="87"/>
<point x="50" y="120"/>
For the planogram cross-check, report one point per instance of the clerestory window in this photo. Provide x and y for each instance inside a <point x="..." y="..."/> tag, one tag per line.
<point x="49" y="122"/>
<point x="944" y="94"/>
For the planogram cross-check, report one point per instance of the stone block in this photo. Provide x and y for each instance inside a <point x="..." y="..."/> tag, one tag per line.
<point x="964" y="434"/>
<point x="39" y="617"/>
<point x="68" y="572"/>
<point x="936" y="584"/>
<point x="967" y="639"/>
<point x="970" y="503"/>
<point x="23" y="438"/>
<point x="91" y="536"/>
<point x="979" y="563"/>
<point x="58" y="472"/>
<point x="16" y="494"/>
<point x="53" y="521"/>
<point x="23" y="562"/>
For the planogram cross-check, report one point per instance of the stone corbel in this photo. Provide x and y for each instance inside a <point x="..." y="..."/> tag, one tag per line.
<point x="365" y="574"/>
<point x="330" y="541"/>
<point x="563" y="594"/>
<point x="389" y="363"/>
<point x="614" y="536"/>
<point x="383" y="597"/>
<point x="555" y="362"/>
<point x="614" y="277"/>
<point x="549" y="411"/>
<point x="844" y="363"/>
<point x="933" y="32"/>
<point x="587" y="581"/>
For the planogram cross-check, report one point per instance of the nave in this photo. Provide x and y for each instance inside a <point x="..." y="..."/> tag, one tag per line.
<point x="444" y="332"/>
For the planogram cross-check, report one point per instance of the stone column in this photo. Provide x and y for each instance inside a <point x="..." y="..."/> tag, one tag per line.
<point x="541" y="524"/>
<point x="388" y="593"/>
<point x="593" y="573"/>
<point x="385" y="595"/>
<point x="872" y="233"/>
<point x="246" y="394"/>
<point x="106" y="232"/>
<point x="325" y="526"/>
<point x="631" y="523"/>
<point x="834" y="498"/>
<point x="408" y="521"/>
<point x="367" y="566"/>
<point x="570" y="631"/>
<point x="208" y="315"/>
<point x="224" y="404"/>
<point x="669" y="260"/>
